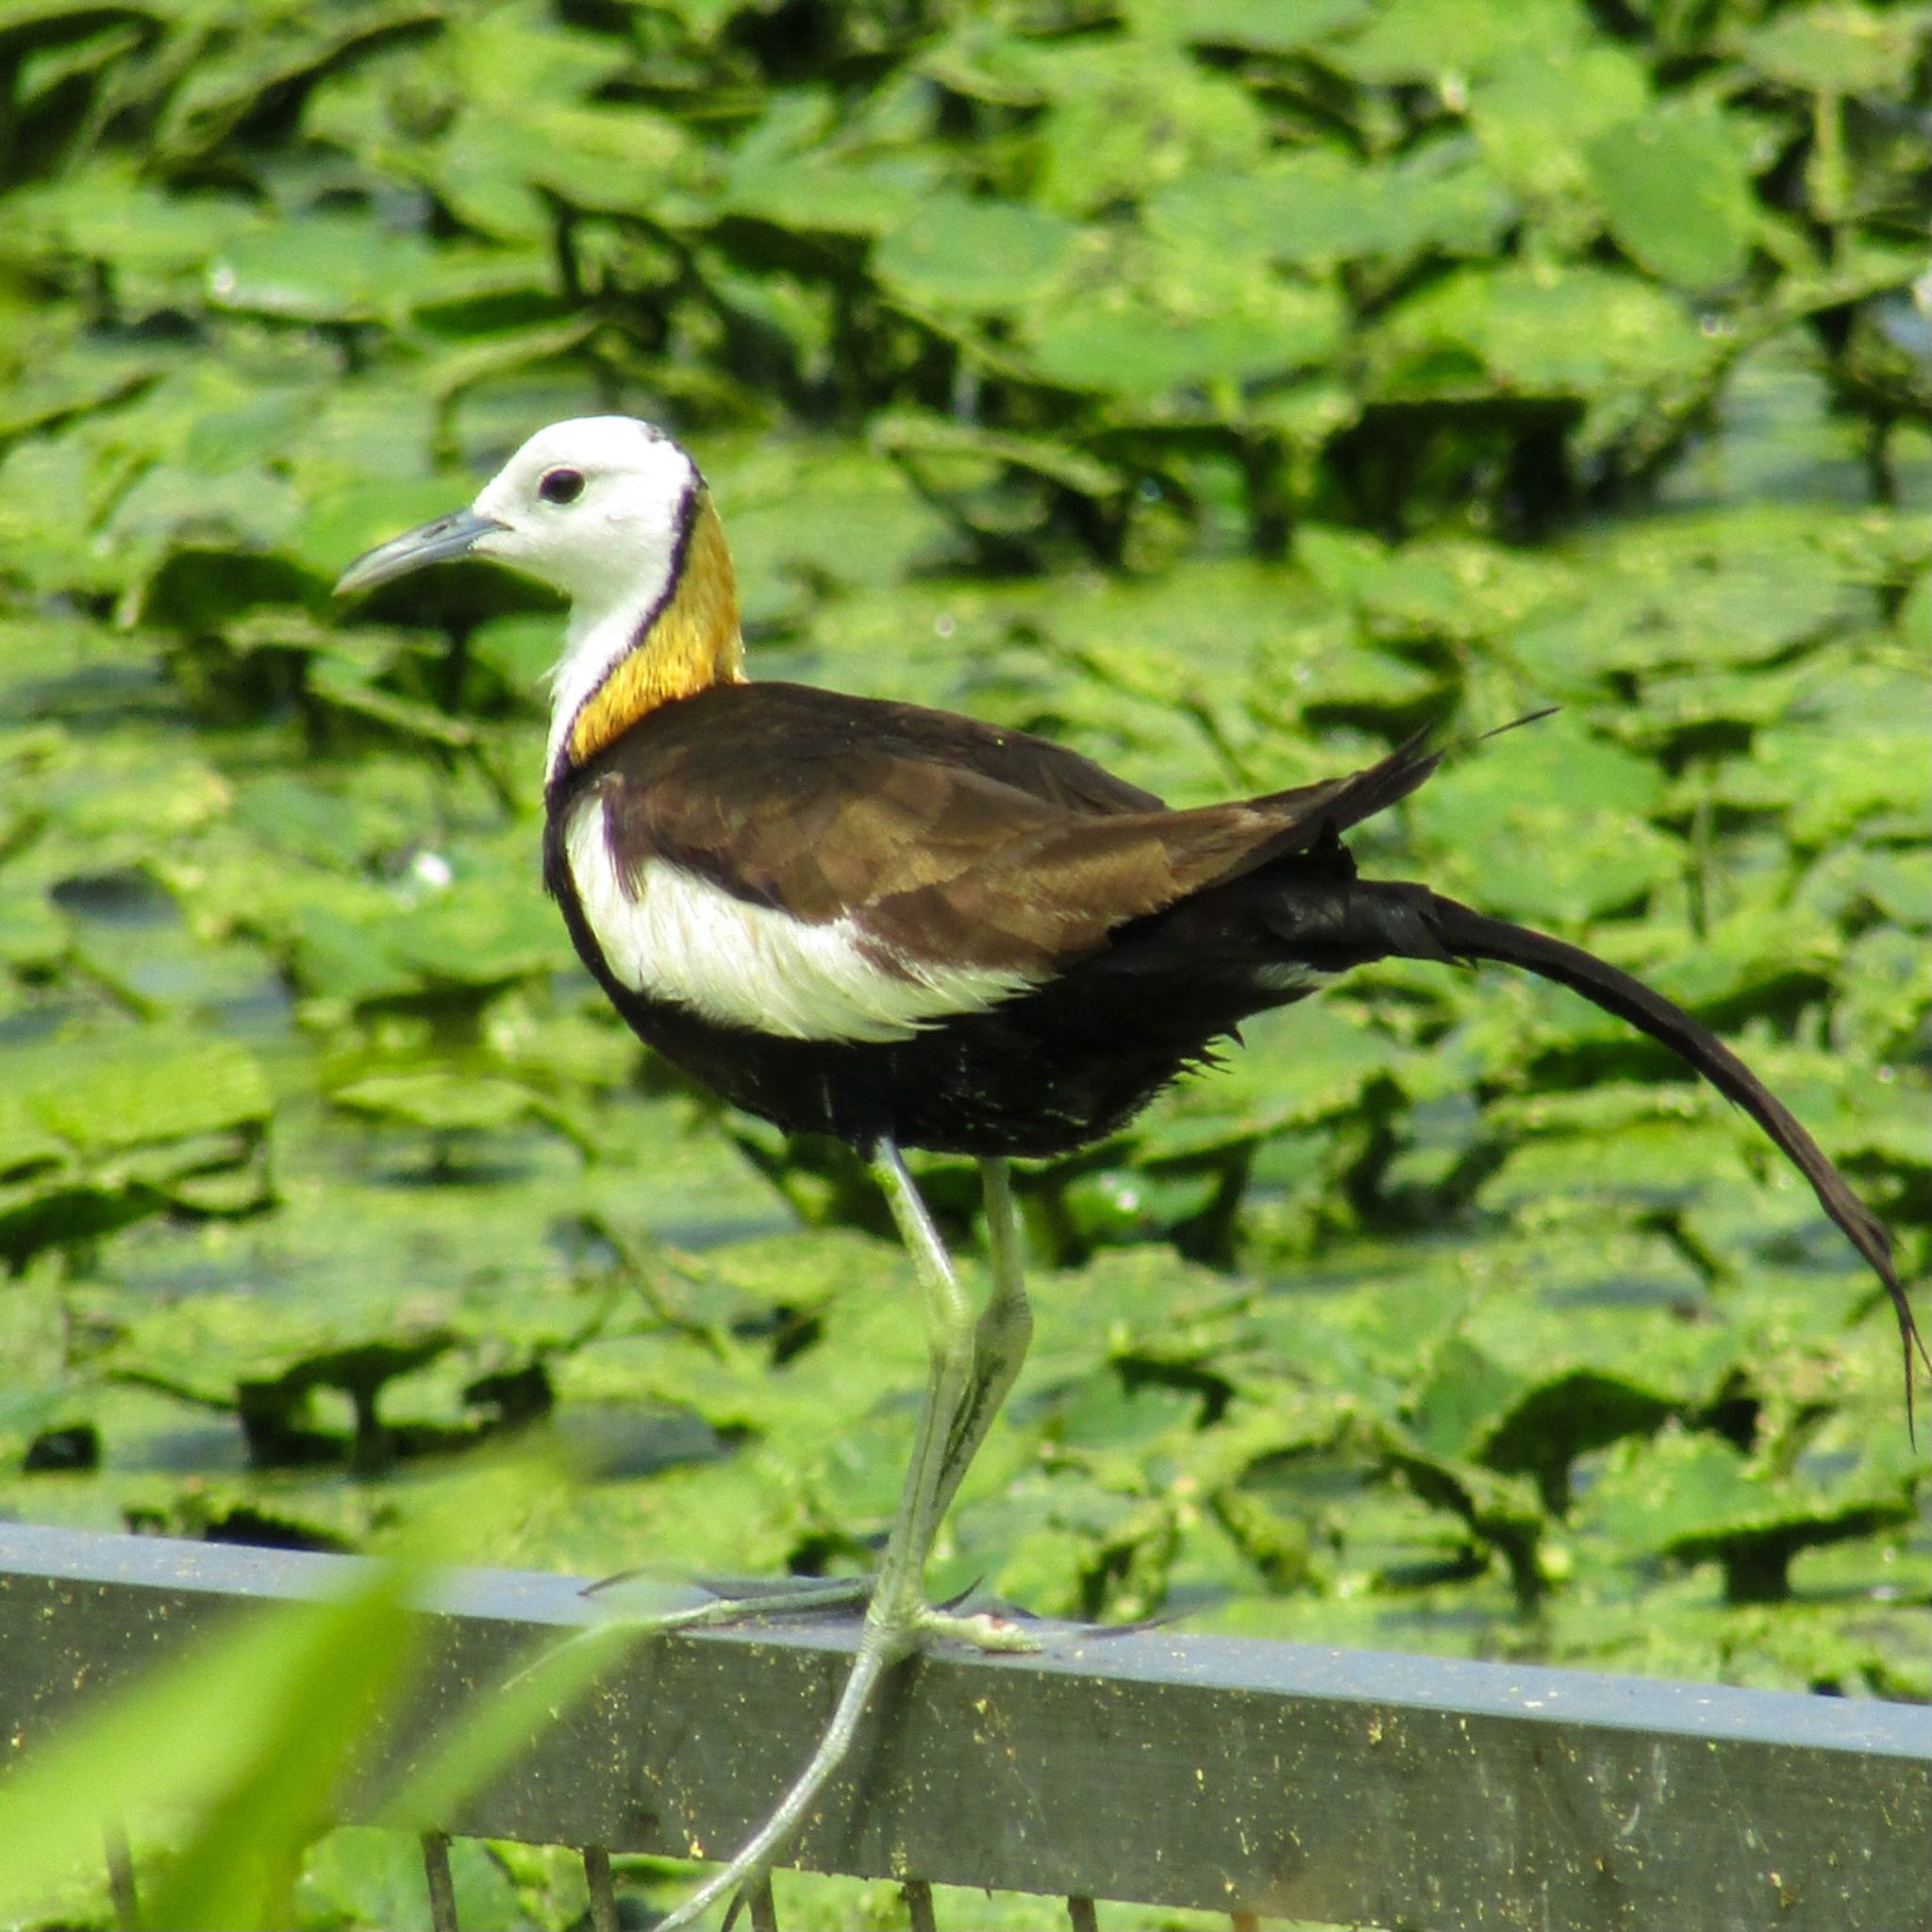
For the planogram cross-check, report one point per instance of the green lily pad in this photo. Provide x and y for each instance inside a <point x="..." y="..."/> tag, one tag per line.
<point x="1834" y="49"/>
<point x="442" y="1103"/>
<point x="1534" y="330"/>
<point x="1299" y="1067"/>
<point x="1427" y="40"/>
<point x="1265" y="26"/>
<point x="1319" y="206"/>
<point x="1135" y="348"/>
<point x="1124" y="119"/>
<point x="96" y="1137"/>
<point x="1513" y="840"/>
<point x="1676" y="194"/>
<point x="978" y="255"/>
<point x="1533" y="111"/>
<point x="342" y="270"/>
<point x="99" y="1097"/>
<point x="1695" y="1497"/>
<point x="1743" y="589"/>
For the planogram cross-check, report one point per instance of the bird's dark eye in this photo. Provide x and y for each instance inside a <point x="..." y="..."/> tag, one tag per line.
<point x="561" y="486"/>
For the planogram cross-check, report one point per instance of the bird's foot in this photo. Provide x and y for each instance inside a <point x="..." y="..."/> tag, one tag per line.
<point x="894" y="1631"/>
<point x="642" y="1610"/>
<point x="634" y="1599"/>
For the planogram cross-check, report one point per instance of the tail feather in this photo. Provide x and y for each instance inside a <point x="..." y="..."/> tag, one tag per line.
<point x="1338" y="805"/>
<point x="1467" y="934"/>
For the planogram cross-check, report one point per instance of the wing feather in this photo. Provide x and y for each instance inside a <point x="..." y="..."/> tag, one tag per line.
<point x="943" y="841"/>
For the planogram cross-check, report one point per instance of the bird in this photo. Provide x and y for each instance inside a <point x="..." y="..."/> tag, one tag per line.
<point x="907" y="928"/>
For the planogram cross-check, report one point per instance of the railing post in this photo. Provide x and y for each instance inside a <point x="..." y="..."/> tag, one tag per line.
<point x="443" y="1890"/>
<point x="597" y="1882"/>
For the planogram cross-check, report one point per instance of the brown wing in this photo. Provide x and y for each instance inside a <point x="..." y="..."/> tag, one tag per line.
<point x="943" y="839"/>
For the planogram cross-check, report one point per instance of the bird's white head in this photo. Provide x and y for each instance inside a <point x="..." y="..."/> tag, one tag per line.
<point x="593" y="507"/>
<point x="614" y="514"/>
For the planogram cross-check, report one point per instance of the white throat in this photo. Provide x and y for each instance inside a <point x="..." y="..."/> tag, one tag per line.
<point x="595" y="641"/>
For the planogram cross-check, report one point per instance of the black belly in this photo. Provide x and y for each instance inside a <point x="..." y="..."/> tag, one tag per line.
<point x="1011" y="1082"/>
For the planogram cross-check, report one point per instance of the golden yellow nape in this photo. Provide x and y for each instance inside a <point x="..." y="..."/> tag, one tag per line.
<point x="692" y="643"/>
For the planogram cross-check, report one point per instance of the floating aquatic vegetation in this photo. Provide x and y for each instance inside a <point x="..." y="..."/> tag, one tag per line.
<point x="1224" y="389"/>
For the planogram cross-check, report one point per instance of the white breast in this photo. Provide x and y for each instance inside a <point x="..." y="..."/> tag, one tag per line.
<point x="670" y="934"/>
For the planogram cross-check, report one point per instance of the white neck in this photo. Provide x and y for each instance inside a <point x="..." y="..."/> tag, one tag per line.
<point x="595" y="641"/>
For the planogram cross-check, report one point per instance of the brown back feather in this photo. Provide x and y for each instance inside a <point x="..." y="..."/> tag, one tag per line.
<point x="943" y="837"/>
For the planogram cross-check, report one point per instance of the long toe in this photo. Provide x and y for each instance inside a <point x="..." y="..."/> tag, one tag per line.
<point x="786" y="1596"/>
<point x="988" y="1630"/>
<point x="654" y="1606"/>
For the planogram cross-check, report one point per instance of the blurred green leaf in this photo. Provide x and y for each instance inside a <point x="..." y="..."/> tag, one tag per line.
<point x="298" y="1689"/>
<point x="978" y="255"/>
<point x="1135" y="348"/>
<point x="1676" y="194"/>
<point x="1534" y="111"/>
<point x="1320" y="206"/>
<point x="1836" y="49"/>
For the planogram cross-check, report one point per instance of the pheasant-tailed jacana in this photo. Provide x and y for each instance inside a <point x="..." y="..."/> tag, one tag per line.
<point x="910" y="929"/>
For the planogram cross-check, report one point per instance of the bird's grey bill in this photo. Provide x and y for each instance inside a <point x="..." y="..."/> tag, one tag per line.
<point x="452" y="536"/>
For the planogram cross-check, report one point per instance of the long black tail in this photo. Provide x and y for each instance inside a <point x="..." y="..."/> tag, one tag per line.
<point x="1425" y="924"/>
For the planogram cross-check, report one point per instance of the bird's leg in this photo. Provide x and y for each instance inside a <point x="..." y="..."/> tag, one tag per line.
<point x="965" y="1358"/>
<point x="899" y="1589"/>
<point x="999" y="1343"/>
<point x="1000" y="1338"/>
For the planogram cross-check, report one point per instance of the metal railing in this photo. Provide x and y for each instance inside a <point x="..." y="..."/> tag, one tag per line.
<point x="1237" y="1777"/>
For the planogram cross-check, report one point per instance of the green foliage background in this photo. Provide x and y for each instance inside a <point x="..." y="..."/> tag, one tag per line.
<point x="1221" y="386"/>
